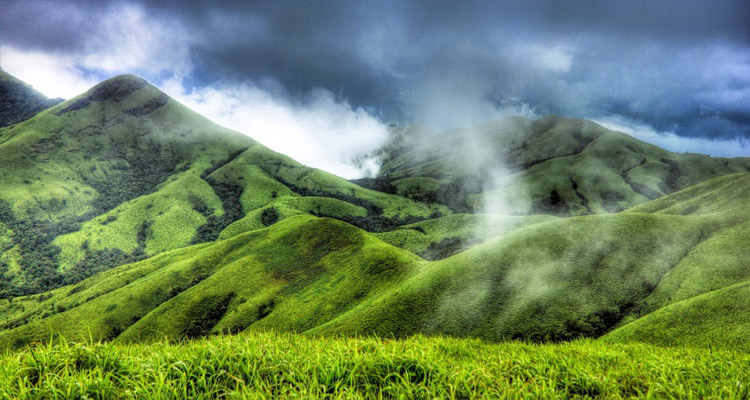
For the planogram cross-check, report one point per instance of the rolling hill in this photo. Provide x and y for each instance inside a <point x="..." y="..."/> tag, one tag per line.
<point x="552" y="279"/>
<point x="127" y="217"/>
<point x="123" y="172"/>
<point x="550" y="165"/>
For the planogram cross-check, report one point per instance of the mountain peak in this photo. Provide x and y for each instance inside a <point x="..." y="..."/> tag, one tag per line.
<point x="117" y="89"/>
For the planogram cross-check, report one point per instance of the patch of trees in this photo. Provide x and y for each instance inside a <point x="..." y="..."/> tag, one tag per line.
<point x="380" y="184"/>
<point x="610" y="200"/>
<point x="454" y="194"/>
<point x="218" y="164"/>
<point x="206" y="313"/>
<point x="670" y="185"/>
<point x="230" y="194"/>
<point x="96" y="261"/>
<point x="596" y="323"/>
<point x="147" y="169"/>
<point x="374" y="221"/>
<point x="269" y="216"/>
<point x="38" y="256"/>
<point x="200" y="205"/>
<point x="445" y="248"/>
<point x="553" y="204"/>
<point x="38" y="261"/>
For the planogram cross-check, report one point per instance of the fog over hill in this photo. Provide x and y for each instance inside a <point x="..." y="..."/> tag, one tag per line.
<point x="669" y="74"/>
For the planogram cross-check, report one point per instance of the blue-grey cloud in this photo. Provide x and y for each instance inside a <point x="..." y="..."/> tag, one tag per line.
<point x="678" y="66"/>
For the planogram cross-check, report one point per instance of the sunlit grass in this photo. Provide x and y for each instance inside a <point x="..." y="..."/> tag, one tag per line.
<point x="275" y="365"/>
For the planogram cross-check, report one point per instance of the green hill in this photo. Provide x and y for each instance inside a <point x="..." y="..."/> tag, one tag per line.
<point x="19" y="101"/>
<point x="123" y="172"/>
<point x="551" y="165"/>
<point x="127" y="217"/>
<point x="549" y="279"/>
<point x="717" y="319"/>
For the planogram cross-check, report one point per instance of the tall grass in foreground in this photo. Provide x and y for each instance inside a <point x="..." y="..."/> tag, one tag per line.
<point x="273" y="365"/>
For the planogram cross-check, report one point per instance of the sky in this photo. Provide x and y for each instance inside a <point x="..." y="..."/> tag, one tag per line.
<point x="321" y="80"/>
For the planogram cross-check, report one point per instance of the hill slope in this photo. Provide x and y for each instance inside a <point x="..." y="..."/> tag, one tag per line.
<point x="123" y="172"/>
<point x="551" y="165"/>
<point x="549" y="280"/>
<point x="19" y="101"/>
<point x="214" y="232"/>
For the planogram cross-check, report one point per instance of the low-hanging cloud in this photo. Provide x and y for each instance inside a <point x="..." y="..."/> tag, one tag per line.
<point x="661" y="66"/>
<point x="318" y="130"/>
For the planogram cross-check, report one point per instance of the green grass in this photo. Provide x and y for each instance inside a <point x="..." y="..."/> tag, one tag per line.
<point x="304" y="270"/>
<point x="668" y="266"/>
<point x="280" y="365"/>
<point x="542" y="278"/>
<point x="466" y="230"/>
<point x="115" y="181"/>
<point x="592" y="169"/>
<point x="717" y="319"/>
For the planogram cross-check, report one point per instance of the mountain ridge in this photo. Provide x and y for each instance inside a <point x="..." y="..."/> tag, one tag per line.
<point x="129" y="217"/>
<point x="19" y="101"/>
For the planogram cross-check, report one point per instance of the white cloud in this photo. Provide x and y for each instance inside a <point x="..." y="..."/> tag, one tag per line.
<point x="321" y="131"/>
<point x="53" y="75"/>
<point x="674" y="143"/>
<point x="129" y="41"/>
<point x="555" y="59"/>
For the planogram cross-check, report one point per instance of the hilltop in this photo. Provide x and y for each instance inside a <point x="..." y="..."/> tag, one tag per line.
<point x="551" y="165"/>
<point x="123" y="172"/>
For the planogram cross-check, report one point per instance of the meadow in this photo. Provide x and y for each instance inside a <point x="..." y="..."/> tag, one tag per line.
<point x="285" y="365"/>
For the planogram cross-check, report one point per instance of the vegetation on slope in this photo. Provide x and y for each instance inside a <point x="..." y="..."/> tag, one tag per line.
<point x="718" y="319"/>
<point x="19" y="101"/>
<point x="85" y="195"/>
<point x="296" y="274"/>
<point x="550" y="281"/>
<point x="123" y="172"/>
<point x="443" y="237"/>
<point x="551" y="165"/>
<point x="544" y="280"/>
<point x="273" y="365"/>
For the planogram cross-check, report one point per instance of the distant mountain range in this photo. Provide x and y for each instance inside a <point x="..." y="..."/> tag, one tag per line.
<point x="126" y="216"/>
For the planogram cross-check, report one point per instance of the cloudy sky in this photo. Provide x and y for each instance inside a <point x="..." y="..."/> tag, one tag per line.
<point x="320" y="80"/>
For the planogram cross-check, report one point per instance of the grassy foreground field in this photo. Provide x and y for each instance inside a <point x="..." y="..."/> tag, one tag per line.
<point x="273" y="365"/>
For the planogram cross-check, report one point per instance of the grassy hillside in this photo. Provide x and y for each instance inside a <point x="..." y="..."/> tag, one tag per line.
<point x="550" y="281"/>
<point x="123" y="172"/>
<point x="718" y="319"/>
<point x="19" y="101"/>
<point x="297" y="274"/>
<point x="544" y="279"/>
<point x="703" y="300"/>
<point x="272" y="365"/>
<point x="439" y="238"/>
<point x="551" y="165"/>
<point x="127" y="217"/>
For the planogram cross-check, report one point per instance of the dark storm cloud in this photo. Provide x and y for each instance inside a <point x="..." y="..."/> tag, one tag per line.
<point x="681" y="66"/>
